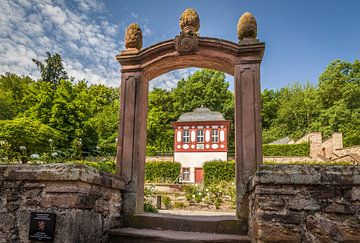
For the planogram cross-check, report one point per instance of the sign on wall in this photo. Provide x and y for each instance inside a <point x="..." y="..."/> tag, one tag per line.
<point x="42" y="226"/>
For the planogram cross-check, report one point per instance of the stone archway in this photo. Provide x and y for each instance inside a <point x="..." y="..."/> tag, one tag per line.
<point x="138" y="67"/>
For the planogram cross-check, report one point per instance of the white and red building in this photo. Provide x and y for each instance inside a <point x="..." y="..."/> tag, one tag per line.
<point x="200" y="136"/>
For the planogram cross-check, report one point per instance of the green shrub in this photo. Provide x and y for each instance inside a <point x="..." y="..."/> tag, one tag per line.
<point x="166" y="201"/>
<point x="148" y="207"/>
<point x="164" y="171"/>
<point x="105" y="166"/>
<point x="180" y="205"/>
<point x="216" y="171"/>
<point x="301" y="149"/>
<point x="21" y="137"/>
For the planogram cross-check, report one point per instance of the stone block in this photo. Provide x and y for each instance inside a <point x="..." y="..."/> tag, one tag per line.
<point x="324" y="229"/>
<point x="276" y="190"/>
<point x="271" y="232"/>
<point x="303" y="202"/>
<point x="269" y="202"/>
<point x="355" y="194"/>
<point x="289" y="217"/>
<point x="342" y="208"/>
<point x="69" y="200"/>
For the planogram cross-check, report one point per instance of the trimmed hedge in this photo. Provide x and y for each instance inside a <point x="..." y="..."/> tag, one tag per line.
<point x="216" y="171"/>
<point x="301" y="149"/>
<point x="163" y="171"/>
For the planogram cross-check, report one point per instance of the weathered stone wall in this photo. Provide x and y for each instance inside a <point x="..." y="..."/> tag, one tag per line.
<point x="86" y="202"/>
<point x="286" y="160"/>
<point x="298" y="203"/>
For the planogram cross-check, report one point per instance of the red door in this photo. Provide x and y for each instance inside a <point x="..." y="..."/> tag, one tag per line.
<point x="199" y="174"/>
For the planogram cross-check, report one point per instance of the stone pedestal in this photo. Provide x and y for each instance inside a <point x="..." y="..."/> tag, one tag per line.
<point x="87" y="203"/>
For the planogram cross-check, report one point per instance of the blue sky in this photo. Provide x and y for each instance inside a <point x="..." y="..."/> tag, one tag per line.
<point x="302" y="37"/>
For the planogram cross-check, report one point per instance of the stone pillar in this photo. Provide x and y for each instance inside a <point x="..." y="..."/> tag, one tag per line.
<point x="315" y="140"/>
<point x="248" y="143"/>
<point x="131" y="147"/>
<point x="337" y="141"/>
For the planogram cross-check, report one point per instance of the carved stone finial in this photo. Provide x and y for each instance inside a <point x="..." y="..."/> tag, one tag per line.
<point x="247" y="27"/>
<point x="189" y="21"/>
<point x="188" y="40"/>
<point x="133" y="37"/>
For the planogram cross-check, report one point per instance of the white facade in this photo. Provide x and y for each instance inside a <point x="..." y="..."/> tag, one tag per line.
<point x="196" y="160"/>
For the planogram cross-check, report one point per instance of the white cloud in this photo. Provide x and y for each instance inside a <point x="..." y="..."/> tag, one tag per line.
<point x="169" y="80"/>
<point x="87" y="44"/>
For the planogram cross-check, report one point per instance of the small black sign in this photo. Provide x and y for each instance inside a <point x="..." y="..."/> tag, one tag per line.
<point x="42" y="226"/>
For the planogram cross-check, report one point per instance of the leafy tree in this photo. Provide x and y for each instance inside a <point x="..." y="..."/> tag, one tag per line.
<point x="269" y="106"/>
<point x="105" y="124"/>
<point x="298" y="108"/>
<point x="26" y="136"/>
<point x="160" y="115"/>
<point x="339" y="99"/>
<point x="13" y="90"/>
<point x="204" y="87"/>
<point x="52" y="70"/>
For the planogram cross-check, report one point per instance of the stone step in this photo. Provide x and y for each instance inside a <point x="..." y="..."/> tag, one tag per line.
<point x="193" y="223"/>
<point x="132" y="235"/>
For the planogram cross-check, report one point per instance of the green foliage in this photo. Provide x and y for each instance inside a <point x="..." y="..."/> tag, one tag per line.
<point x="180" y="205"/>
<point x="165" y="171"/>
<point x="149" y="191"/>
<point x="216" y="171"/>
<point x="204" y="87"/>
<point x="212" y="194"/>
<point x="105" y="166"/>
<point x="149" y="208"/>
<point x="24" y="137"/>
<point x="52" y="70"/>
<point x="324" y="163"/>
<point x="332" y="106"/>
<point x="301" y="149"/>
<point x="85" y="115"/>
<point x="165" y="199"/>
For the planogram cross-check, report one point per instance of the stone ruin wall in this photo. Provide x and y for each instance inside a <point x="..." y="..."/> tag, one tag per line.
<point x="86" y="202"/>
<point x="297" y="203"/>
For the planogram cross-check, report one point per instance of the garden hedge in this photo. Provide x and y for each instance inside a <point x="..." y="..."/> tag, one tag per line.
<point x="216" y="171"/>
<point x="164" y="171"/>
<point x="301" y="149"/>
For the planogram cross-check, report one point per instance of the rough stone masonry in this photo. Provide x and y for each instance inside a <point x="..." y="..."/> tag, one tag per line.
<point x="87" y="203"/>
<point x="305" y="203"/>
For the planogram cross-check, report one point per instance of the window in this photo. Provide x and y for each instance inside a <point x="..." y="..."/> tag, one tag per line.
<point x="186" y="136"/>
<point x="200" y="136"/>
<point x="215" y="136"/>
<point x="186" y="174"/>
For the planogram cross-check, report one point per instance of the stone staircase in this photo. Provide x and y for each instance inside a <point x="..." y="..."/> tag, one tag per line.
<point x="180" y="228"/>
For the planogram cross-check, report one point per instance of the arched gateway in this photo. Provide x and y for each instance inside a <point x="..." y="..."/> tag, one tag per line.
<point x="138" y="67"/>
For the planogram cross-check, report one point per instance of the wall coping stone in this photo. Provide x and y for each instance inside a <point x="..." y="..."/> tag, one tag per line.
<point x="60" y="172"/>
<point x="341" y="175"/>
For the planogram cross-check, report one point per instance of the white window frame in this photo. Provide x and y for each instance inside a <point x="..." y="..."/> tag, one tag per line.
<point x="200" y="136"/>
<point x="186" y="136"/>
<point x="215" y="136"/>
<point x="185" y="175"/>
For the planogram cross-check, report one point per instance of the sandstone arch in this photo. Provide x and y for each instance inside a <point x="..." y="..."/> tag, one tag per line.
<point x="188" y="50"/>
